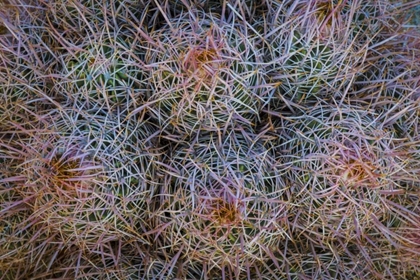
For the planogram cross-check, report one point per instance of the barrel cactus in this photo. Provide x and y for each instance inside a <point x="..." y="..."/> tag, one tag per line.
<point x="221" y="205"/>
<point x="203" y="74"/>
<point x="305" y="69"/>
<point x="104" y="73"/>
<point x="313" y="60"/>
<point x="91" y="176"/>
<point x="341" y="157"/>
<point x="344" y="169"/>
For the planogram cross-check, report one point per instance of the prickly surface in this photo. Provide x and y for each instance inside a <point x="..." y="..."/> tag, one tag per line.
<point x="216" y="139"/>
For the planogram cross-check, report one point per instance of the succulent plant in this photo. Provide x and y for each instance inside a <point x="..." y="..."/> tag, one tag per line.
<point x="189" y="139"/>
<point x="324" y="49"/>
<point x="204" y="74"/>
<point x="344" y="169"/>
<point x="343" y="165"/>
<point x="305" y="69"/>
<point x="103" y="73"/>
<point x="221" y="205"/>
<point x="389" y="86"/>
<point x="91" y="176"/>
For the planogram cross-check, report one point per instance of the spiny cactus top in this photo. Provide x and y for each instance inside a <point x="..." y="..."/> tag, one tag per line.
<point x="104" y="73"/>
<point x="223" y="201"/>
<point x="203" y="75"/>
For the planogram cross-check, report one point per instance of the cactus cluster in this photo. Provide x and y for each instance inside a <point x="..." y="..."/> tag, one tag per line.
<point x="219" y="139"/>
